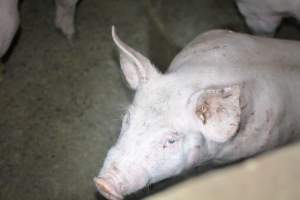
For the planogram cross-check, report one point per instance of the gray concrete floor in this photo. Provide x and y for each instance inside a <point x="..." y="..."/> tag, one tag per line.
<point x="61" y="104"/>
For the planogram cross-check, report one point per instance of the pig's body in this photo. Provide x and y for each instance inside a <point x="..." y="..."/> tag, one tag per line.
<point x="226" y="96"/>
<point x="264" y="16"/>
<point x="269" y="71"/>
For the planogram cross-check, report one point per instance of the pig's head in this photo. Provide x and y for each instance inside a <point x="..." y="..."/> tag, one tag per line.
<point x="166" y="129"/>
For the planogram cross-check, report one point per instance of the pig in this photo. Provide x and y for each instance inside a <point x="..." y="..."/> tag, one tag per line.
<point x="226" y="96"/>
<point x="264" y="16"/>
<point x="9" y="20"/>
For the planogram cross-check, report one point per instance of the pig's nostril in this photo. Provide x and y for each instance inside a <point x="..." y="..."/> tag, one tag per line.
<point x="107" y="189"/>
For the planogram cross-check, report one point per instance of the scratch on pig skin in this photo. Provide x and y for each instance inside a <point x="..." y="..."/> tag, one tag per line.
<point x="269" y="114"/>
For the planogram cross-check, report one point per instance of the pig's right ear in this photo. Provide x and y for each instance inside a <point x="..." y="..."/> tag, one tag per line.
<point x="136" y="68"/>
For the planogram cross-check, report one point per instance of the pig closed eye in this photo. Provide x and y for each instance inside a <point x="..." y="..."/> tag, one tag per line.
<point x="169" y="143"/>
<point x="171" y="140"/>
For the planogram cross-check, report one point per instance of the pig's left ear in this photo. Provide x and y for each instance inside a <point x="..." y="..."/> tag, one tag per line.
<point x="136" y="68"/>
<point x="218" y="112"/>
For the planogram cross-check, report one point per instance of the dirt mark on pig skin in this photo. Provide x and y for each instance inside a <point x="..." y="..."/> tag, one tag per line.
<point x="269" y="114"/>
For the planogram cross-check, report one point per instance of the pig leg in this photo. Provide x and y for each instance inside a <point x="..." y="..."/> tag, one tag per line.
<point x="263" y="25"/>
<point x="260" y="20"/>
<point x="65" y="16"/>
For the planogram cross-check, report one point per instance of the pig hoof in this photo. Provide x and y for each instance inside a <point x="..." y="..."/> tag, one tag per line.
<point x="70" y="35"/>
<point x="66" y="26"/>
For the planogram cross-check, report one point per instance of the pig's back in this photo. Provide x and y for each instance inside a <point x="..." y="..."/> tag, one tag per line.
<point x="270" y="71"/>
<point x="236" y="55"/>
<point x="221" y="57"/>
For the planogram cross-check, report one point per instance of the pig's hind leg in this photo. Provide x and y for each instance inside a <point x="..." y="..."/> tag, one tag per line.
<point x="261" y="21"/>
<point x="264" y="25"/>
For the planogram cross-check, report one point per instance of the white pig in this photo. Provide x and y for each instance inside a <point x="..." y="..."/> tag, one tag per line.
<point x="225" y="96"/>
<point x="264" y="16"/>
<point x="9" y="20"/>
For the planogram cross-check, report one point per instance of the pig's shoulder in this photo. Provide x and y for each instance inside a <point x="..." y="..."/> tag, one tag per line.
<point x="217" y="41"/>
<point x="211" y="36"/>
<point x="214" y="44"/>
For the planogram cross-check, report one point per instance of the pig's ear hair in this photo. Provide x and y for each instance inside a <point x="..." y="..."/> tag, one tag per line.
<point x="218" y="112"/>
<point x="137" y="68"/>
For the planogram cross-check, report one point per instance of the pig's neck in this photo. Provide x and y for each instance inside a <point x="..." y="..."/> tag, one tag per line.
<point x="254" y="131"/>
<point x="263" y="126"/>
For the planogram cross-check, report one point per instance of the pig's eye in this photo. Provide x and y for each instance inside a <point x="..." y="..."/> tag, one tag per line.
<point x="172" y="139"/>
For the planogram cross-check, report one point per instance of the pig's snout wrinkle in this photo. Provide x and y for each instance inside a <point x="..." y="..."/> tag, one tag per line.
<point x="107" y="189"/>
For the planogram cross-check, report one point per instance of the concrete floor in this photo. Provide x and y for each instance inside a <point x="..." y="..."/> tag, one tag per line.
<point x="61" y="104"/>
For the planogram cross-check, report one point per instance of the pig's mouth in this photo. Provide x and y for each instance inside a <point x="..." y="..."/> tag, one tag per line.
<point x="107" y="189"/>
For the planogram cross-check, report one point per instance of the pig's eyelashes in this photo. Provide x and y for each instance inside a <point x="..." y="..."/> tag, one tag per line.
<point x="171" y="141"/>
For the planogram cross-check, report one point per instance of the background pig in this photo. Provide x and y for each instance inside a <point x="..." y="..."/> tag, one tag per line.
<point x="226" y="96"/>
<point x="9" y="20"/>
<point x="264" y="16"/>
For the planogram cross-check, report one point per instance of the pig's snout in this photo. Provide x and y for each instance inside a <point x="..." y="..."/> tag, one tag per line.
<point x="107" y="188"/>
<point x="114" y="184"/>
